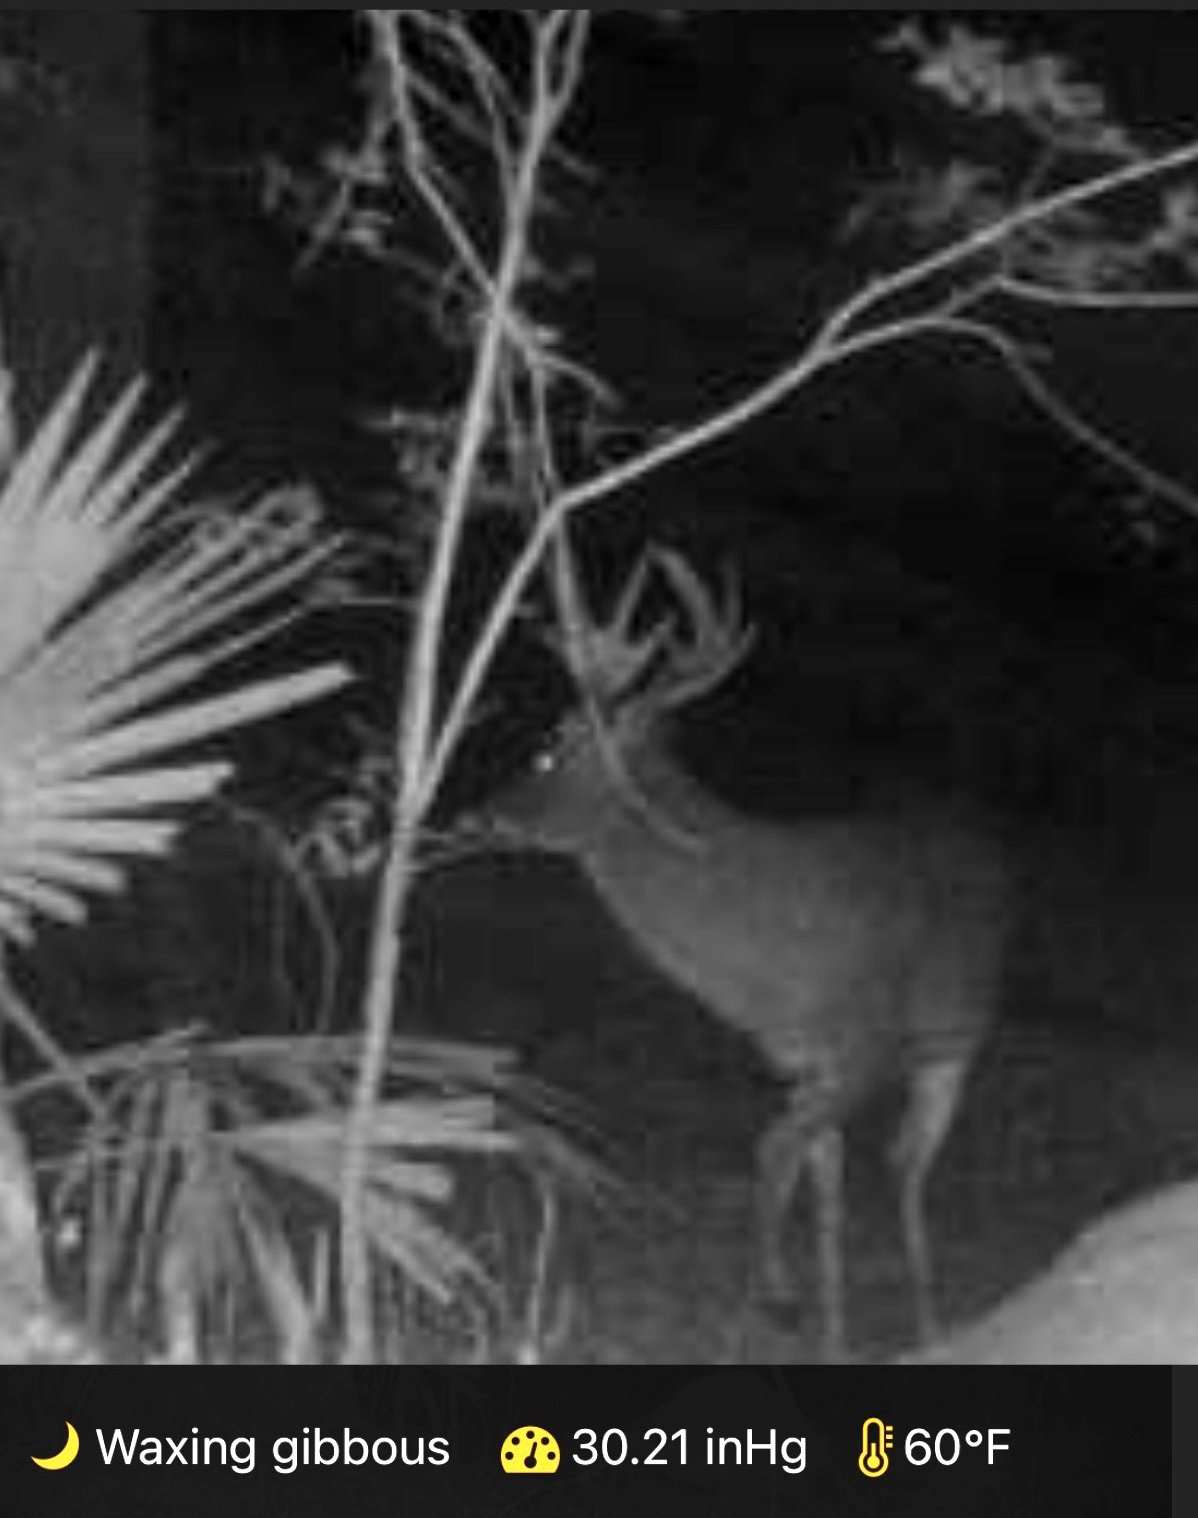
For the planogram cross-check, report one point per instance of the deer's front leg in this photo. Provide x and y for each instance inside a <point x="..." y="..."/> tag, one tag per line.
<point x="795" y="1141"/>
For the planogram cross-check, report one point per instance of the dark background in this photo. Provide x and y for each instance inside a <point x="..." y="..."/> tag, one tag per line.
<point x="937" y="574"/>
<point x="942" y="583"/>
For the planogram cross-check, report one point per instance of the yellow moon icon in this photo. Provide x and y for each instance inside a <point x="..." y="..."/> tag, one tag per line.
<point x="65" y="1455"/>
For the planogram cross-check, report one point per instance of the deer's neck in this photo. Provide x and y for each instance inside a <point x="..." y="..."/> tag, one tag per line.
<point x="654" y="808"/>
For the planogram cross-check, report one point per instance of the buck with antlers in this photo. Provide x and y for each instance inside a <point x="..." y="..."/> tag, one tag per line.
<point x="855" y="951"/>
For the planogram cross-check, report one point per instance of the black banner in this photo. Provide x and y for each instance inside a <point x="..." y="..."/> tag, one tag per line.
<point x="123" y="1443"/>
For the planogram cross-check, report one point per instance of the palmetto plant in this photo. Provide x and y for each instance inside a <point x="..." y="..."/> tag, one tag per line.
<point x="198" y="1210"/>
<point x="115" y="606"/>
<point x="117" y="609"/>
<point x="120" y="608"/>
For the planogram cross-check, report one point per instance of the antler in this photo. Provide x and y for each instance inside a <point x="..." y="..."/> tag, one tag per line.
<point x="613" y="658"/>
<point x="720" y="637"/>
<point x="616" y="660"/>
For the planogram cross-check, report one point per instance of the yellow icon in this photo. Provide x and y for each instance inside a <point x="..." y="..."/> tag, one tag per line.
<point x="65" y="1455"/>
<point x="876" y="1439"/>
<point x="530" y="1451"/>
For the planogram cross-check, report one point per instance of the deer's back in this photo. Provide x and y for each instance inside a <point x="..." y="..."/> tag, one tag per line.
<point x="852" y="940"/>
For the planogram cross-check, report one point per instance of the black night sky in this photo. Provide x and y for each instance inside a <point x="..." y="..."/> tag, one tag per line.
<point x="935" y="572"/>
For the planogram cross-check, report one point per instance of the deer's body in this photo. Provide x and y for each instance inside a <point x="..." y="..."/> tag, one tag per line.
<point x="834" y="941"/>
<point x="855" y="951"/>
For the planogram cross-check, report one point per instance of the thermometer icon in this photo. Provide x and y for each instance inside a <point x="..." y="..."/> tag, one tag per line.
<point x="876" y="1438"/>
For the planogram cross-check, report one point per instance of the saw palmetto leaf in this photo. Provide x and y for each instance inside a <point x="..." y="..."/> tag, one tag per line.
<point x="206" y="1188"/>
<point x="116" y="609"/>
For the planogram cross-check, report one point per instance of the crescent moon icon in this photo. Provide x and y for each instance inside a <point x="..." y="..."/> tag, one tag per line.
<point x="65" y="1455"/>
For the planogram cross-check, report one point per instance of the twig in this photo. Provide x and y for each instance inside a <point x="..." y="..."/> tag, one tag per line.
<point x="1020" y="288"/>
<point x="415" y="725"/>
<point x="417" y="159"/>
<point x="1070" y="421"/>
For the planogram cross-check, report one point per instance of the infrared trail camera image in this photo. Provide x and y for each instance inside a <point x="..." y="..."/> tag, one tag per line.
<point x="598" y="688"/>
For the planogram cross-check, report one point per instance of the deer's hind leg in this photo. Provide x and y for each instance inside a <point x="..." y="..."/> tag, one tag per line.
<point x="798" y="1140"/>
<point x="934" y="1090"/>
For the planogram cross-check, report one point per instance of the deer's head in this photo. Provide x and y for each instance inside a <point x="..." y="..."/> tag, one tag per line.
<point x="633" y="672"/>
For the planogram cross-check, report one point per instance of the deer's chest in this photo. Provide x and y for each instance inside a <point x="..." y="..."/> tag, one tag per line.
<point x="784" y="955"/>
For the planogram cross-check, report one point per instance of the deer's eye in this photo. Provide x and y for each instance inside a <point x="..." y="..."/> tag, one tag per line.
<point x="545" y="762"/>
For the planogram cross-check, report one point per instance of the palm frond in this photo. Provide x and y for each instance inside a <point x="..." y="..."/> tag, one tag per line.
<point x="111" y="616"/>
<point x="214" y="1168"/>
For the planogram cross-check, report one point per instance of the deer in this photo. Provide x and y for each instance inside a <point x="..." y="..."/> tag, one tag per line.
<point x="853" y="951"/>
